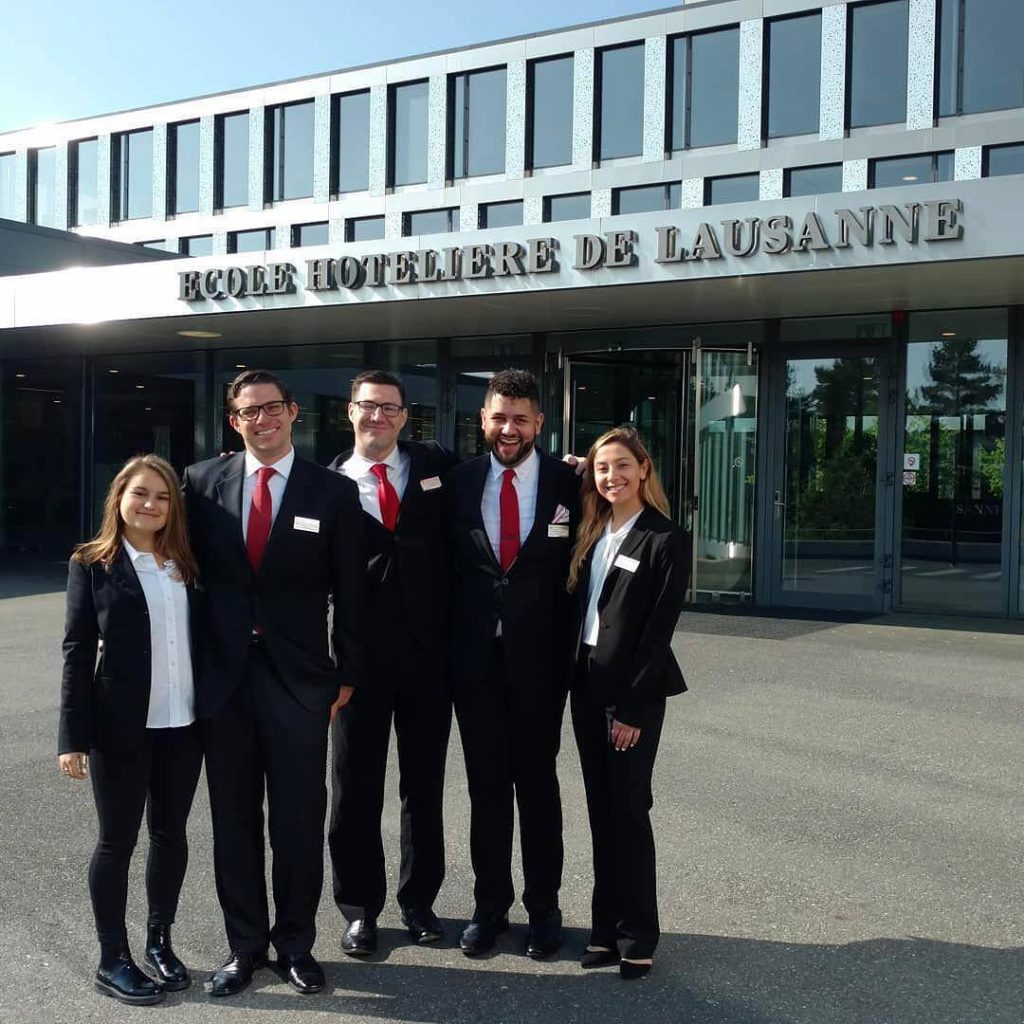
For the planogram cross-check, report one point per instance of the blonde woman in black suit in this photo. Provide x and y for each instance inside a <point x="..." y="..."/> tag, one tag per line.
<point x="629" y="573"/>
<point x="128" y="720"/>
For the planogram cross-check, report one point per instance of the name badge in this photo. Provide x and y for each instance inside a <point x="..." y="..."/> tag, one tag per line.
<point x="430" y="483"/>
<point x="307" y="525"/>
<point x="558" y="529"/>
<point x="627" y="563"/>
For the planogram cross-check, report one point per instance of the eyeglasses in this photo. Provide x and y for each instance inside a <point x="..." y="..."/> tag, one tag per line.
<point x="252" y="412"/>
<point x="389" y="409"/>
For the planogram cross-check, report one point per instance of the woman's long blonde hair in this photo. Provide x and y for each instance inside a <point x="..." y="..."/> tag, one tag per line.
<point x="171" y="541"/>
<point x="596" y="510"/>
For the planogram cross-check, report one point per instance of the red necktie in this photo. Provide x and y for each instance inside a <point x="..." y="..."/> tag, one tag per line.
<point x="508" y="539"/>
<point x="260" y="518"/>
<point x="387" y="496"/>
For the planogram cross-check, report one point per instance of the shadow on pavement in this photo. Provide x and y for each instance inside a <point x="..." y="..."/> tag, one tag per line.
<point x="24" y="578"/>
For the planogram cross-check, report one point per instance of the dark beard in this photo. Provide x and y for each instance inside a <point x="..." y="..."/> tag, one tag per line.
<point x="520" y="456"/>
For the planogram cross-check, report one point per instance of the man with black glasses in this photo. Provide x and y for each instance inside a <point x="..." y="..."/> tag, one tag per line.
<point x="401" y="490"/>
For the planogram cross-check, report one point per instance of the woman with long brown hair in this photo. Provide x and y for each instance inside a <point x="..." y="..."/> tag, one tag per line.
<point x="130" y="717"/>
<point x="629" y="572"/>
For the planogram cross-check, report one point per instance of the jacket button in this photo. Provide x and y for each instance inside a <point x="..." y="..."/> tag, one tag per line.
<point x="504" y="581"/>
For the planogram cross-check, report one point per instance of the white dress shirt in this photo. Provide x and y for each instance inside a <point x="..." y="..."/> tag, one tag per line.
<point x="525" y="484"/>
<point x="171" y="690"/>
<point x="360" y="470"/>
<point x="606" y="550"/>
<point x="276" y="484"/>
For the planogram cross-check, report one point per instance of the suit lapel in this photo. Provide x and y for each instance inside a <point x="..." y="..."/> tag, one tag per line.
<point x="229" y="497"/>
<point x="633" y="542"/>
<point x="124" y="576"/>
<point x="544" y="509"/>
<point x="474" y="496"/>
<point x="291" y="505"/>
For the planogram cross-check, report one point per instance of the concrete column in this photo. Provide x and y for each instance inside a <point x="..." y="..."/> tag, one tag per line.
<point x="257" y="157"/>
<point x="748" y="123"/>
<point x="378" y="140"/>
<point x="321" y="149"/>
<point x="770" y="186"/>
<point x="692" y="193"/>
<point x="601" y="202"/>
<point x="437" y="131"/>
<point x="921" y="65"/>
<point x="469" y="216"/>
<point x="967" y="163"/>
<point x="583" y="110"/>
<point x="515" y="119"/>
<point x="855" y="175"/>
<point x="104" y="158"/>
<point x="160" y="210"/>
<point x="832" y="116"/>
<point x="655" y="70"/>
<point x="61" y="182"/>
<point x="533" y="211"/>
<point x="393" y="224"/>
<point x="207" y="188"/>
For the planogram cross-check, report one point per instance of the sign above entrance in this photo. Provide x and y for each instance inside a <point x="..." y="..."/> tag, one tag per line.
<point x="933" y="221"/>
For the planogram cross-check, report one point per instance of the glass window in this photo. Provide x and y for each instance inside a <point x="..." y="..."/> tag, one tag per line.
<point x="704" y="92"/>
<point x="574" y="206"/>
<point x="813" y="181"/>
<point x="732" y="188"/>
<point x="646" y="198"/>
<point x="794" y="75"/>
<point x="251" y="241"/>
<point x="364" y="229"/>
<point x="408" y="133"/>
<point x="416" y="363"/>
<point x="132" y="161"/>
<point x="310" y="234"/>
<point x="8" y="192"/>
<point x="621" y="98"/>
<point x="351" y="142"/>
<point x="196" y="245"/>
<point x="910" y="170"/>
<point x="160" y="244"/>
<point x="430" y="222"/>
<point x="43" y="167"/>
<point x="501" y="215"/>
<point x="477" y="118"/>
<point x="183" y="157"/>
<point x="550" y="90"/>
<point x="83" y="169"/>
<point x="231" y="156"/>
<point x="878" y="63"/>
<point x="1004" y="160"/>
<point x="290" y="151"/>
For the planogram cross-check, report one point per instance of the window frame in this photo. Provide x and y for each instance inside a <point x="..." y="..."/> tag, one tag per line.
<point x="171" y="192"/>
<point x="451" y="142"/>
<point x="531" y="98"/>
<point x="597" y="133"/>
<point x="392" y="133"/>
<point x="269" y="150"/>
<point x="336" y="142"/>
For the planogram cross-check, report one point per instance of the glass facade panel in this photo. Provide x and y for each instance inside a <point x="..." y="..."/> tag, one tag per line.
<point x="290" y="151"/>
<point x="705" y="88"/>
<point x="83" y="157"/>
<point x="133" y="170"/>
<point x="44" y="187"/>
<point x="948" y="71"/>
<point x="550" y="133"/>
<point x="732" y="188"/>
<point x="250" y="241"/>
<point x="364" y="229"/>
<point x="911" y="170"/>
<point x="954" y="437"/>
<point x="8" y="192"/>
<point x="351" y="142"/>
<point x="183" y="158"/>
<point x="575" y="206"/>
<point x="197" y="245"/>
<point x="231" y="155"/>
<point x="477" y="112"/>
<point x="794" y="75"/>
<point x="310" y="234"/>
<point x="416" y="363"/>
<point x="814" y="181"/>
<point x="993" y="68"/>
<point x="646" y="198"/>
<point x="878" y="63"/>
<point x="621" y="99"/>
<point x="408" y="135"/>
<point x="430" y="222"/>
<point x="501" y="215"/>
<point x="1001" y="160"/>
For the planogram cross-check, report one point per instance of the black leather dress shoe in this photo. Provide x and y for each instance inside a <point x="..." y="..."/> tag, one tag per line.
<point x="122" y="980"/>
<point x="481" y="935"/>
<point x="236" y="974"/>
<point x="360" y="938"/>
<point x="544" y="935"/>
<point x="423" y="925"/>
<point x="170" y="971"/>
<point x="301" y="971"/>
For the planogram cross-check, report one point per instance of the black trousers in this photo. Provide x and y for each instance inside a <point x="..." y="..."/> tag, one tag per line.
<point x="624" y="905"/>
<point x="418" y="703"/>
<point x="160" y="778"/>
<point x="510" y="741"/>
<point x="263" y="741"/>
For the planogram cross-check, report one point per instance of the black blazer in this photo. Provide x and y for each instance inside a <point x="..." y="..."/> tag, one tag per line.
<point x="288" y="598"/>
<point x="530" y="600"/>
<point x="411" y="565"/>
<point x="633" y="663"/>
<point x="104" y="705"/>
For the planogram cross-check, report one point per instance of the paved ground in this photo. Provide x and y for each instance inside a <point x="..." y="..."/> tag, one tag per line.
<point x="839" y="812"/>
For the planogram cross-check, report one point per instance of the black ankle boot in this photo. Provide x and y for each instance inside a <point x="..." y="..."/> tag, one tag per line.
<point x="171" y="972"/>
<point x="119" y="977"/>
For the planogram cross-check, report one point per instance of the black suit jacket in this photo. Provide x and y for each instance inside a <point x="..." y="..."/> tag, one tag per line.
<point x="531" y="600"/>
<point x="633" y="663"/>
<point x="288" y="598"/>
<point x="411" y="565"/>
<point x="104" y="705"/>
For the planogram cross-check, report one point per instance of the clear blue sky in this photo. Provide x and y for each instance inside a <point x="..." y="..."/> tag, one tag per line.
<point x="62" y="59"/>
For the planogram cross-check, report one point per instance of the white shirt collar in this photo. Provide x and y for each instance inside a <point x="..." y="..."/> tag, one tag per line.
<point x="624" y="528"/>
<point x="143" y="559"/>
<point x="525" y="471"/>
<point x="360" y="465"/>
<point x="283" y="464"/>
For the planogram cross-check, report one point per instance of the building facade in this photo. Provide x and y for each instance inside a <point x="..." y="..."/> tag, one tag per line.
<point x="784" y="238"/>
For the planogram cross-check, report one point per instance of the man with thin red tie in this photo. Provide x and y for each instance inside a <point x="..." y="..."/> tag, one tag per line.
<point x="512" y="515"/>
<point x="276" y="538"/>
<point x="401" y="487"/>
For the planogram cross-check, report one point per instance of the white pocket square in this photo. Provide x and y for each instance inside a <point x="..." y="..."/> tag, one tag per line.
<point x="561" y="515"/>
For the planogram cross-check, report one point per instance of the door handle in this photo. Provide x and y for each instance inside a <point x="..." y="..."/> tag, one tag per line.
<point x="779" y="504"/>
